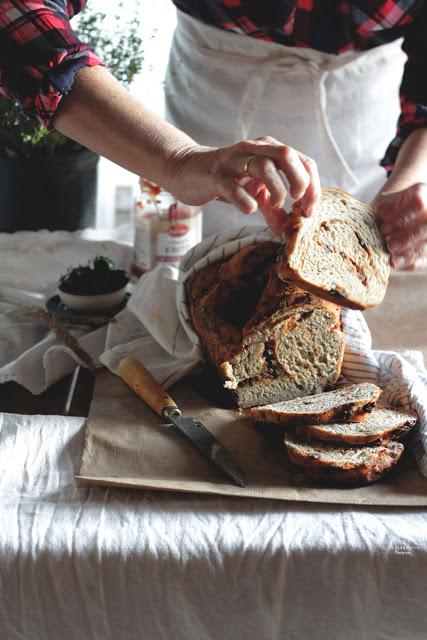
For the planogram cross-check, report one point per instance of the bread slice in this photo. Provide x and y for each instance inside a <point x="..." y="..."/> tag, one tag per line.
<point x="350" y="403"/>
<point x="338" y="253"/>
<point x="267" y="339"/>
<point x="349" y="465"/>
<point x="382" y="424"/>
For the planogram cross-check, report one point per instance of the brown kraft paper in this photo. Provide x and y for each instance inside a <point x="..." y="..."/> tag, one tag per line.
<point x="128" y="445"/>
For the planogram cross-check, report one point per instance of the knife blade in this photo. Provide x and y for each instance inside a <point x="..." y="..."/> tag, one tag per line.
<point x="146" y="387"/>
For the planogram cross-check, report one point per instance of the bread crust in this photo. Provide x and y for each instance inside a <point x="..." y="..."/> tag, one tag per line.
<point x="348" y="412"/>
<point x="381" y="425"/>
<point x="349" y="409"/>
<point x="295" y="228"/>
<point x="243" y="314"/>
<point x="362" y="465"/>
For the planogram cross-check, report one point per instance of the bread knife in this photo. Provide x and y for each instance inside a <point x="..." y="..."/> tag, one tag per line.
<point x="146" y="387"/>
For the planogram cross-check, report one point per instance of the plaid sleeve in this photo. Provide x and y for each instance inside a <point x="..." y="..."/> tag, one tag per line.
<point x="413" y="90"/>
<point x="39" y="54"/>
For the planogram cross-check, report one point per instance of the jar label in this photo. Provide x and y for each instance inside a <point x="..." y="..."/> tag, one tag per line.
<point x="171" y="248"/>
<point x="159" y="241"/>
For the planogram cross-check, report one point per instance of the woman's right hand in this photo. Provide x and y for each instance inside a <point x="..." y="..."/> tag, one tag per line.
<point x="249" y="175"/>
<point x="100" y="114"/>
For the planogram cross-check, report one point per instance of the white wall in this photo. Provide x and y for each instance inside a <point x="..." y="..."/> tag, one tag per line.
<point x="158" y="21"/>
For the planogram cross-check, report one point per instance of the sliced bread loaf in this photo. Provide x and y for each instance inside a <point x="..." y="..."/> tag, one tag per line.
<point x="350" y="403"/>
<point x="338" y="253"/>
<point x="267" y="339"/>
<point x="380" y="425"/>
<point x="349" y="465"/>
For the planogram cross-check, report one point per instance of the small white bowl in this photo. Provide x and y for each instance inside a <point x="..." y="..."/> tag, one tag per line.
<point x="98" y="302"/>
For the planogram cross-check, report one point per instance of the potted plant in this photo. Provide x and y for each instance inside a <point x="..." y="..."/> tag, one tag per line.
<point x="48" y="181"/>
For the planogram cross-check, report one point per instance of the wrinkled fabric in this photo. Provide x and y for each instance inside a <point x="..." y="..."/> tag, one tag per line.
<point x="31" y="265"/>
<point x="80" y="563"/>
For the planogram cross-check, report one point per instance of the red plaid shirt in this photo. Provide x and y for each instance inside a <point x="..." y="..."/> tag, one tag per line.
<point x="40" y="54"/>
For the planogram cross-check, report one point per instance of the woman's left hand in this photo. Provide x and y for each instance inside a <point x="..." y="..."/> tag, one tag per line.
<point x="403" y="224"/>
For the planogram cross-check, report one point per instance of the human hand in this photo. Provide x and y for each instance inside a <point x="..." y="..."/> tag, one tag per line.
<point x="403" y="224"/>
<point x="248" y="175"/>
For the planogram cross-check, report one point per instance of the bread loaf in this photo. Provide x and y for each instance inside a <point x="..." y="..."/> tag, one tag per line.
<point x="267" y="339"/>
<point x="338" y="253"/>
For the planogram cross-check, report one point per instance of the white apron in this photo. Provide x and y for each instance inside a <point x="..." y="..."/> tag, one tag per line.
<point x="340" y="110"/>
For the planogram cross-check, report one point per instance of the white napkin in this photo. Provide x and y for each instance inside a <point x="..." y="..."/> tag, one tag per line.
<point x="30" y="266"/>
<point x="169" y="347"/>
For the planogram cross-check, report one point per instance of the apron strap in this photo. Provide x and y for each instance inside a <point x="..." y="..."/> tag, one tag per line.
<point x="319" y="80"/>
<point x="255" y="90"/>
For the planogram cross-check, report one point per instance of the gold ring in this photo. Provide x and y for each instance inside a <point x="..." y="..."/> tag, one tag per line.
<point x="248" y="162"/>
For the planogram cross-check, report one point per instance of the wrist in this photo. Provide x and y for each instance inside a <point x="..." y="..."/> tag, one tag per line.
<point x="411" y="164"/>
<point x="402" y="178"/>
<point x="184" y="163"/>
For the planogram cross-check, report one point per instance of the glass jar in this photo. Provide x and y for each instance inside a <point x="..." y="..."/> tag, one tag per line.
<point x="164" y="228"/>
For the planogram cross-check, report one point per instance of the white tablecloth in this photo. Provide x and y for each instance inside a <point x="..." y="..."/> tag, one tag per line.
<point x="109" y="564"/>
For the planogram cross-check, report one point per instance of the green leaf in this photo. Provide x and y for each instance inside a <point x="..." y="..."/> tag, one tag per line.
<point x="122" y="52"/>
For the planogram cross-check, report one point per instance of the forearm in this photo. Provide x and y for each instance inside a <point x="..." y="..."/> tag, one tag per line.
<point x="100" y="114"/>
<point x="411" y="164"/>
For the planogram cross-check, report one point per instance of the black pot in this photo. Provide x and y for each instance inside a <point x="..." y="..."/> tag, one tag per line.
<point x="57" y="193"/>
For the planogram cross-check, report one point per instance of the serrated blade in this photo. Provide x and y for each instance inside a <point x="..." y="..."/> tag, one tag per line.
<point x="207" y="444"/>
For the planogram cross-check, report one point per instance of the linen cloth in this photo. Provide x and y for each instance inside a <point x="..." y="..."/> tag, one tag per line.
<point x="174" y="348"/>
<point x="80" y="563"/>
<point x="30" y="266"/>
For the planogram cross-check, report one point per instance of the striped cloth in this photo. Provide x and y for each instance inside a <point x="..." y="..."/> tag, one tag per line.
<point x="170" y="347"/>
<point x="402" y="376"/>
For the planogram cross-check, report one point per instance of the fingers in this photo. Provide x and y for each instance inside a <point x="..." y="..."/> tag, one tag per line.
<point x="265" y="171"/>
<point x="287" y="160"/>
<point x="403" y="223"/>
<point x="409" y="250"/>
<point x="237" y="195"/>
<point x="254" y="187"/>
<point x="299" y="170"/>
<point x="311" y="197"/>
<point x="399" y="208"/>
<point x="397" y="219"/>
<point x="240" y="171"/>
<point x="411" y="237"/>
<point x="410" y="260"/>
<point x="274" y="217"/>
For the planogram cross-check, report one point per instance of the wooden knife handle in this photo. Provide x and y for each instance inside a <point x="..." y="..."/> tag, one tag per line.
<point x="146" y="387"/>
